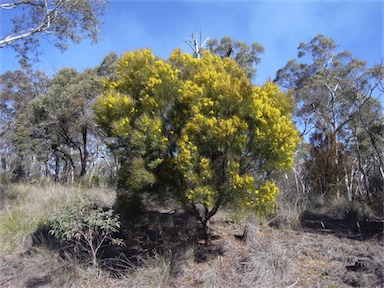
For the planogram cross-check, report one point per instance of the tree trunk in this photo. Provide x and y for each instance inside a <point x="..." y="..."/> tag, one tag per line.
<point x="204" y="215"/>
<point x="207" y="233"/>
<point x="84" y="153"/>
<point x="57" y="165"/>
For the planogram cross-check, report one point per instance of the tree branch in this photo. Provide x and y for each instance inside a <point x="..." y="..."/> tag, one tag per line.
<point x="42" y="27"/>
<point x="8" y="6"/>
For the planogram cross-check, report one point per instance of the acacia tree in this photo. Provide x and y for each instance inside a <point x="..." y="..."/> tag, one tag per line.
<point x="57" y="21"/>
<point x="196" y="130"/>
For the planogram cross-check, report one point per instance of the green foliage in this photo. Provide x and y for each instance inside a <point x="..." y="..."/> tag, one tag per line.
<point x="197" y="130"/>
<point x="59" y="22"/>
<point x="17" y="89"/>
<point x="15" y="227"/>
<point x="47" y="126"/>
<point x="335" y="95"/>
<point x="85" y="227"/>
<point x="247" y="57"/>
<point x="63" y="118"/>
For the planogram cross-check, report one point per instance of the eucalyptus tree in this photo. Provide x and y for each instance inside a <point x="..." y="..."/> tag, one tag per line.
<point x="246" y="56"/>
<point x="58" y="22"/>
<point x="17" y="89"/>
<point x="368" y="153"/>
<point x="107" y="67"/>
<point x="333" y="91"/>
<point x="63" y="118"/>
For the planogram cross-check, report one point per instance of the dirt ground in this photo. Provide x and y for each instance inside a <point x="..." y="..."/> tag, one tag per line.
<point x="306" y="257"/>
<point x="246" y="254"/>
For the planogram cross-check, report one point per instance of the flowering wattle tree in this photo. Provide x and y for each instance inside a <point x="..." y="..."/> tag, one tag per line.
<point x="196" y="130"/>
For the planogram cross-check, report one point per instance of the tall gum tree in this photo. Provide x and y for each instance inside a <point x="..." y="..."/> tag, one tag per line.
<point x="246" y="56"/>
<point x="197" y="130"/>
<point x="333" y="90"/>
<point x="59" y="22"/>
<point x="17" y="89"/>
<point x="63" y="118"/>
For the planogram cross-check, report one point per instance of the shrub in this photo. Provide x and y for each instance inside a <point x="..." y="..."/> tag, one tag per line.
<point x="196" y="131"/>
<point x="85" y="228"/>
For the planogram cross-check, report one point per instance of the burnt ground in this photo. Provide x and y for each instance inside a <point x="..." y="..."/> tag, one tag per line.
<point x="351" y="228"/>
<point x="345" y="252"/>
<point x="322" y="252"/>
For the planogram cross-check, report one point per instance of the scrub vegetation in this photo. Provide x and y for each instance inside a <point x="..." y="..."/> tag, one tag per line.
<point x="180" y="172"/>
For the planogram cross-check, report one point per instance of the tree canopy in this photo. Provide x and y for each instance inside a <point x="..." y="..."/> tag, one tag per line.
<point x="57" y="21"/>
<point x="246" y="56"/>
<point x="197" y="129"/>
<point x="62" y="116"/>
<point x="17" y="90"/>
<point x="335" y="97"/>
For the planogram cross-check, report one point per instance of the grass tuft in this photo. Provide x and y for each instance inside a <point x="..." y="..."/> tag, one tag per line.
<point x="267" y="265"/>
<point x="37" y="268"/>
<point x="153" y="271"/>
<point x="16" y="228"/>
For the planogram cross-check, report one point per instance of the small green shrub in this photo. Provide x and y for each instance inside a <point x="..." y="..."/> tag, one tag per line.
<point x="85" y="228"/>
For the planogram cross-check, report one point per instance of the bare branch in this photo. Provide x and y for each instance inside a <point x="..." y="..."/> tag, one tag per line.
<point x="195" y="44"/>
<point x="42" y="27"/>
<point x="8" y="6"/>
<point x="57" y="21"/>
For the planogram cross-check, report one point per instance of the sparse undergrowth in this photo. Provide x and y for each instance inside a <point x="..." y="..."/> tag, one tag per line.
<point x="84" y="229"/>
<point x="161" y="251"/>
<point x="25" y="208"/>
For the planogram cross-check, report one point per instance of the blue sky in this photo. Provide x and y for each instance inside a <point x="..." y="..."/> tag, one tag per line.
<point x="278" y="25"/>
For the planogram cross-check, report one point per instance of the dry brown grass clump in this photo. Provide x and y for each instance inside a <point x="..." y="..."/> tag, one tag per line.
<point x="37" y="268"/>
<point x="268" y="263"/>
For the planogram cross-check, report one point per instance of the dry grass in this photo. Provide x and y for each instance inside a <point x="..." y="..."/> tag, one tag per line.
<point x="153" y="271"/>
<point x="37" y="268"/>
<point x="288" y="211"/>
<point x="260" y="256"/>
<point x="268" y="263"/>
<point x="25" y="208"/>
